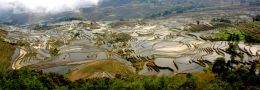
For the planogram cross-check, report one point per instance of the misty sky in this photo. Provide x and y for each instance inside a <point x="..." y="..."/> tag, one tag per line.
<point x="45" y="5"/>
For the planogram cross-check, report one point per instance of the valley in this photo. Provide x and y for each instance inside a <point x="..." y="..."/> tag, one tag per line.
<point x="163" y="46"/>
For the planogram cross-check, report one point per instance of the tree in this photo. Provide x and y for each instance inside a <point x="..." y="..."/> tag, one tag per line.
<point x="252" y="69"/>
<point x="248" y="38"/>
<point x="219" y="66"/>
<point x="232" y="50"/>
<point x="54" y="51"/>
<point x="233" y="46"/>
<point x="76" y="35"/>
<point x="198" y="22"/>
<point x="256" y="18"/>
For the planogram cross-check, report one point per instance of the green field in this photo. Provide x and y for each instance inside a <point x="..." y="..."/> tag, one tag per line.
<point x="248" y="32"/>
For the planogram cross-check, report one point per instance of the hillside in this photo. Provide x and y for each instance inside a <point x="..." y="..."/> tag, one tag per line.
<point x="122" y="10"/>
<point x="130" y="45"/>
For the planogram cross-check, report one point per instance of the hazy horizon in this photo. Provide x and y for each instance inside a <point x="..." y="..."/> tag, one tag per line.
<point x="46" y="6"/>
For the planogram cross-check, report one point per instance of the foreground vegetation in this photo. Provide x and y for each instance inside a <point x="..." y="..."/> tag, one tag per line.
<point x="230" y="80"/>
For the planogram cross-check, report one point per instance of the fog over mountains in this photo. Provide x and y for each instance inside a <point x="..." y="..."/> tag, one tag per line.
<point x="19" y="12"/>
<point x="44" y="6"/>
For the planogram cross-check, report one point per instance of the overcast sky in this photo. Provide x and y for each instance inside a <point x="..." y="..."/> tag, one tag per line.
<point x="45" y="5"/>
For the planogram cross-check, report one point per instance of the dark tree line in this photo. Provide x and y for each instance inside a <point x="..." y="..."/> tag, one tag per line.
<point x="239" y="74"/>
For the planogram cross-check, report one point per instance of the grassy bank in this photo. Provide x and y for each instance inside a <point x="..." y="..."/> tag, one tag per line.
<point x="109" y="66"/>
<point x="6" y="51"/>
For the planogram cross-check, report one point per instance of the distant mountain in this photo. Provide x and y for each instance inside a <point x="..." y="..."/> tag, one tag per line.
<point x="122" y="9"/>
<point x="127" y="9"/>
